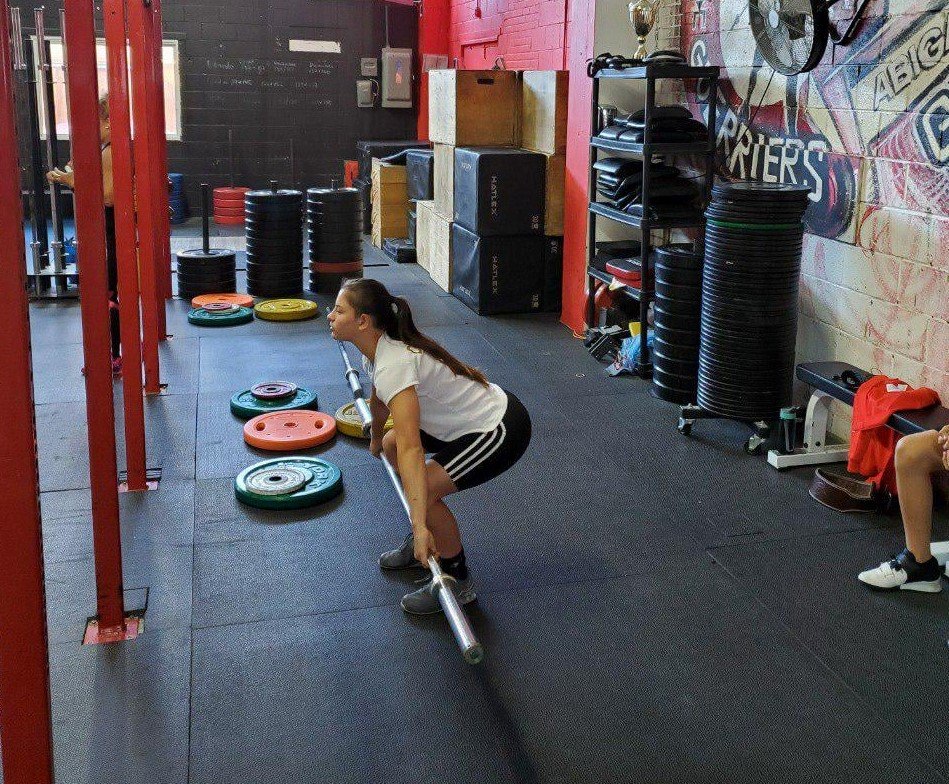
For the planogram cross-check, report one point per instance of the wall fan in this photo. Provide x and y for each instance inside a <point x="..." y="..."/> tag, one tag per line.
<point x="792" y="35"/>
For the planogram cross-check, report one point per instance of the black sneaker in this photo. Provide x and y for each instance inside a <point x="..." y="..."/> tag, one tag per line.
<point x="905" y="573"/>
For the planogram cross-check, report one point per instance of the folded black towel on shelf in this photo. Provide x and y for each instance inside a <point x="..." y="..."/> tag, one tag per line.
<point x="617" y="167"/>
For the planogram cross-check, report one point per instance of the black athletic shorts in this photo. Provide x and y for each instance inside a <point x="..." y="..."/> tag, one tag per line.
<point x="475" y="458"/>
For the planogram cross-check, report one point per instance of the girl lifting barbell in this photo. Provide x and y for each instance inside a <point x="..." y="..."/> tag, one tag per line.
<point x="473" y="429"/>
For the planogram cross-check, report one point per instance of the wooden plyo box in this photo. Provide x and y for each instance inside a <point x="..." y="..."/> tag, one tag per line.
<point x="472" y="108"/>
<point x="390" y="202"/>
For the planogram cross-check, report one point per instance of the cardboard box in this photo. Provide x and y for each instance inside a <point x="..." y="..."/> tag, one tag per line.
<point x="499" y="190"/>
<point x="445" y="180"/>
<point x="544" y="111"/>
<point x="467" y="108"/>
<point x="553" y="196"/>
<point x="497" y="274"/>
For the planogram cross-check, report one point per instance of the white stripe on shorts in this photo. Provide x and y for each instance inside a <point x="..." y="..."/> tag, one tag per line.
<point x="480" y="459"/>
<point x="472" y="447"/>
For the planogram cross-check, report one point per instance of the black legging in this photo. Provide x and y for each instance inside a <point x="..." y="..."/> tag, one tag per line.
<point x="113" y="266"/>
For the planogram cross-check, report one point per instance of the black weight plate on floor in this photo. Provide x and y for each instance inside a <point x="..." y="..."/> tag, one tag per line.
<point x="754" y="217"/>
<point x="337" y="257"/>
<point x="213" y="254"/>
<point x="274" y="259"/>
<point x="279" y="196"/>
<point x="190" y="292"/>
<point x="683" y="338"/>
<point x="743" y="275"/>
<point x="208" y="286"/>
<point x="678" y="277"/>
<point x="674" y="380"/>
<point x="747" y="332"/>
<point x="760" y="190"/>
<point x="688" y="322"/>
<point x="273" y="216"/>
<point x="336" y="245"/>
<point x="687" y="368"/>
<point x="341" y="218"/>
<point x="732" y="393"/>
<point x="350" y="249"/>
<point x="678" y="256"/>
<point x="264" y="254"/>
<point x="206" y="274"/>
<point x="672" y="395"/>
<point x="334" y="233"/>
<point x="334" y="208"/>
<point x="200" y="269"/>
<point x="324" y="212"/>
<point x="203" y="281"/>
<point x="680" y="294"/>
<point x="288" y="234"/>
<point x="276" y="268"/>
<point x="275" y="276"/>
<point x="214" y="263"/>
<point x="676" y="307"/>
<point x="783" y="244"/>
<point x="276" y="243"/>
<point x="332" y="194"/>
<point x="732" y="299"/>
<point x="683" y="353"/>
<point x="340" y="249"/>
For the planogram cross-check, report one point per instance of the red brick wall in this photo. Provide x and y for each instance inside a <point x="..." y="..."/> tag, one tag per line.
<point x="528" y="34"/>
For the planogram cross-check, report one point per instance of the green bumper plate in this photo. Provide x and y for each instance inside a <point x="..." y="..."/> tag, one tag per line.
<point x="246" y="406"/>
<point x="201" y="318"/>
<point x="327" y="483"/>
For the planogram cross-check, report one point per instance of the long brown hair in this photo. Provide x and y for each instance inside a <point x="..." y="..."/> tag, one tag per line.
<point x="394" y="317"/>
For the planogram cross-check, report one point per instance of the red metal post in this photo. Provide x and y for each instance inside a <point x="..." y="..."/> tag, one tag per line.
<point x="93" y="281"/>
<point x="25" y="724"/>
<point x="162" y="145"/>
<point x="153" y="303"/>
<point x="123" y="185"/>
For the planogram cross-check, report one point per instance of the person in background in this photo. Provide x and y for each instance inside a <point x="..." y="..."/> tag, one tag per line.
<point x="68" y="179"/>
<point x="919" y="458"/>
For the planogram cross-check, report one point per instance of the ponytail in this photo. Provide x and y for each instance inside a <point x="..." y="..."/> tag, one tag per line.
<point x="394" y="317"/>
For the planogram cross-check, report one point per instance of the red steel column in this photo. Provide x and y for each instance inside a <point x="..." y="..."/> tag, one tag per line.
<point x="161" y="148"/>
<point x="152" y="315"/>
<point x="93" y="281"/>
<point x="27" y="735"/>
<point x="124" y="187"/>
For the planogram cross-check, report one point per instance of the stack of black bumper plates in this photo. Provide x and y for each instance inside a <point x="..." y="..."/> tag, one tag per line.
<point x="334" y="229"/>
<point x="273" y="222"/>
<point x="678" y="307"/>
<point x="753" y="247"/>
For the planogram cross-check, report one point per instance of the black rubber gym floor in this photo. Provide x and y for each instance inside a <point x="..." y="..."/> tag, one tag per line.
<point x="654" y="608"/>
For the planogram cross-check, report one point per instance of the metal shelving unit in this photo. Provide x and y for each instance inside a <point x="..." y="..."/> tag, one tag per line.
<point x="647" y="151"/>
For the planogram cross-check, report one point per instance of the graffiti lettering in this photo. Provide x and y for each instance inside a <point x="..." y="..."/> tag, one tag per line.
<point x="928" y="51"/>
<point x="756" y="156"/>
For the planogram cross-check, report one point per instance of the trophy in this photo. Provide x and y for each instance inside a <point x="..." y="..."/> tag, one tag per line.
<point x="642" y="16"/>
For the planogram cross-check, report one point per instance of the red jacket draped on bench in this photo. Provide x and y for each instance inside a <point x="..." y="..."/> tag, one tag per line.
<point x="872" y="443"/>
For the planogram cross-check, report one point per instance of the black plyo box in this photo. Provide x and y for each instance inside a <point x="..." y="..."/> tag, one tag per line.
<point x="367" y="150"/>
<point x="500" y="190"/>
<point x="551" y="297"/>
<point x="420" y="173"/>
<point x="497" y="274"/>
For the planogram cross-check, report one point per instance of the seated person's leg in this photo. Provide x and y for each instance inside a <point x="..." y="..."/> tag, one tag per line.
<point x="918" y="457"/>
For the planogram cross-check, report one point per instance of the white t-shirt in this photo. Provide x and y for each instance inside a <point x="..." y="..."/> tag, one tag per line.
<point x="450" y="406"/>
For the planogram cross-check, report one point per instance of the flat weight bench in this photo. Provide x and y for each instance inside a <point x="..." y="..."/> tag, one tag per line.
<point x="830" y="382"/>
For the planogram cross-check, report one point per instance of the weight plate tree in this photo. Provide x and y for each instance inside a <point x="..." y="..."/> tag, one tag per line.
<point x="206" y="270"/>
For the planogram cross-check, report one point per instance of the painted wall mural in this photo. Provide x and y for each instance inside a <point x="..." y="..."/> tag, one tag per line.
<point x="868" y="131"/>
